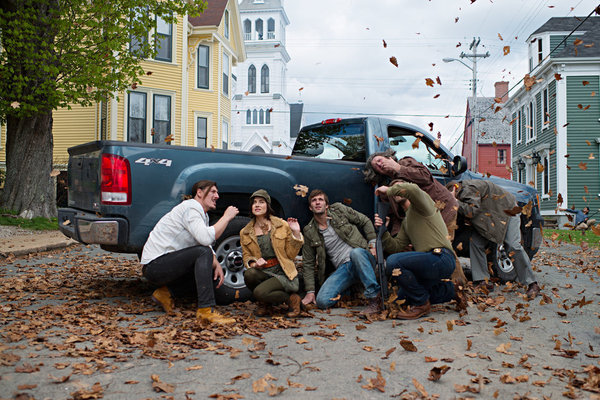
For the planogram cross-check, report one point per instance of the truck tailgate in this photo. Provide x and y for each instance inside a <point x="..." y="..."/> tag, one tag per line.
<point x="84" y="176"/>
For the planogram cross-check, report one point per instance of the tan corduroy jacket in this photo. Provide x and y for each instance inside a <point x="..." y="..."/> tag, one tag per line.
<point x="285" y="245"/>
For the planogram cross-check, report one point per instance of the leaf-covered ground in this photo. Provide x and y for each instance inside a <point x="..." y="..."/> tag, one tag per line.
<point x="79" y="324"/>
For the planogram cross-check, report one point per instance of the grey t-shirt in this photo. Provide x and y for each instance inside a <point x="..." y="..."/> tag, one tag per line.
<point x="337" y="250"/>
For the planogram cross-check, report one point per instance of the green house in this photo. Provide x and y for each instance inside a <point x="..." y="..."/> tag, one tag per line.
<point x="556" y="116"/>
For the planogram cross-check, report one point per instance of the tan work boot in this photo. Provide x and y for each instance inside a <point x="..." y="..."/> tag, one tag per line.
<point x="294" y="304"/>
<point x="162" y="296"/>
<point x="210" y="315"/>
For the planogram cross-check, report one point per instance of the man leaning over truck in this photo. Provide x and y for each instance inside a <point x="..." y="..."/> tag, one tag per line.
<point x="334" y="233"/>
<point x="178" y="252"/>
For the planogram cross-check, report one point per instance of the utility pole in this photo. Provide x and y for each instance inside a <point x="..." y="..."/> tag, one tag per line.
<point x="475" y="130"/>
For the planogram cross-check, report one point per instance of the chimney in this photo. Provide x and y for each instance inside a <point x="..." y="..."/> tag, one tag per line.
<point x="502" y="90"/>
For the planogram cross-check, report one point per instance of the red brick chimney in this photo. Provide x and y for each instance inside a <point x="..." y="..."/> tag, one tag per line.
<point x="502" y="90"/>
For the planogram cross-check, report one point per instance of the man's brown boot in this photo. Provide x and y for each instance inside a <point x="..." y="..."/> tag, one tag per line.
<point x="460" y="297"/>
<point x="162" y="296"/>
<point x="374" y="306"/>
<point x="210" y="315"/>
<point x="294" y="304"/>
<point x="414" y="312"/>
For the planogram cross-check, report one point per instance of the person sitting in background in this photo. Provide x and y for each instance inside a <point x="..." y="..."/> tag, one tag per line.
<point x="582" y="220"/>
<point x="269" y="246"/>
<point x="178" y="253"/>
<point x="487" y="206"/>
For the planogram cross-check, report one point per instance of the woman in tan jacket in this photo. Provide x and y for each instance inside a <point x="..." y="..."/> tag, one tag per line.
<point x="269" y="246"/>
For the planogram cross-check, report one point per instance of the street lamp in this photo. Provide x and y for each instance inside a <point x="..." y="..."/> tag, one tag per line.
<point x="473" y="57"/>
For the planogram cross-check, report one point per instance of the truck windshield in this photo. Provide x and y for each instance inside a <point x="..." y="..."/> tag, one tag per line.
<point x="332" y="142"/>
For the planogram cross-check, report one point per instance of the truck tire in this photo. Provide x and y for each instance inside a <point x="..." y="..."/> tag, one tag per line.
<point x="229" y="254"/>
<point x="502" y="264"/>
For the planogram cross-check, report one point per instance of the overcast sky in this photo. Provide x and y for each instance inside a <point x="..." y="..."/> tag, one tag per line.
<point x="339" y="60"/>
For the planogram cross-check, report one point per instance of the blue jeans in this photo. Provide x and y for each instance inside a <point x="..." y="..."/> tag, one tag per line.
<point x="421" y="274"/>
<point x="358" y="269"/>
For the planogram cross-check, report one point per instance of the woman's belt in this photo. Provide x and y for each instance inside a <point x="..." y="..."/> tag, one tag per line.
<point x="271" y="262"/>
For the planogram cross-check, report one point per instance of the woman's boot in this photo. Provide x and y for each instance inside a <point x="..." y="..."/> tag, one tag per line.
<point x="294" y="303"/>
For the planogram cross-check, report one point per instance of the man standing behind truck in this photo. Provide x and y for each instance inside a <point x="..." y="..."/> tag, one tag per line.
<point x="178" y="253"/>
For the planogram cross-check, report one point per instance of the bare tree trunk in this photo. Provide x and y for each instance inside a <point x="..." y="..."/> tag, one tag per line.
<point x="29" y="188"/>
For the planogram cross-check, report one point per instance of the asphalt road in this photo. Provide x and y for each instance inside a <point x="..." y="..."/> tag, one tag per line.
<point x="78" y="323"/>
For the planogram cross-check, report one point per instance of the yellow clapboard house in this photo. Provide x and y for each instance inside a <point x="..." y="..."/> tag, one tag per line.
<point x="184" y="97"/>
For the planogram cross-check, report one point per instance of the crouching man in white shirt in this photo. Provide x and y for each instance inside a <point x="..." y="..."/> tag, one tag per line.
<point x="178" y="250"/>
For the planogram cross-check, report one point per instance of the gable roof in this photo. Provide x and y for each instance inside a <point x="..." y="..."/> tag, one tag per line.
<point x="264" y="5"/>
<point x="591" y="27"/>
<point x="495" y="126"/>
<point x="212" y="15"/>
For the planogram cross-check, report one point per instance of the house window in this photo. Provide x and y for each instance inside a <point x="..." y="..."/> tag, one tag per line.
<point x="530" y="121"/>
<point x="255" y="117"/>
<point x="261" y="116"/>
<point x="545" y="177"/>
<point x="103" y="119"/>
<point x="264" y="79"/>
<point x="226" y="23"/>
<point x="520" y="175"/>
<point x="136" y="117"/>
<point x="271" y="28"/>
<point x="164" y="40"/>
<point x="201" y="131"/>
<point x="540" y="53"/>
<point x="138" y="42"/>
<point x="258" y="25"/>
<point x="161" y="123"/>
<point x="225" y="134"/>
<point x="545" y="108"/>
<point x="252" y="79"/>
<point x="203" y="67"/>
<point x="531" y="171"/>
<point x="248" y="117"/>
<point x="519" y="126"/>
<point x="501" y="156"/>
<point x="225" y="74"/>
<point x="268" y="117"/>
<point x="247" y="29"/>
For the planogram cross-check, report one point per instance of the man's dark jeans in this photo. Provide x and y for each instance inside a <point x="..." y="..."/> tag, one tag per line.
<point x="179" y="270"/>
<point x="421" y="274"/>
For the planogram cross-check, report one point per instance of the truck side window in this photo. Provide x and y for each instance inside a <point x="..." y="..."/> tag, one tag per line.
<point x="405" y="143"/>
<point x="333" y="142"/>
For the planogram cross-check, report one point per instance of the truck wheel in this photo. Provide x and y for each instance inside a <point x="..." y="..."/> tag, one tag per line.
<point x="502" y="264"/>
<point x="229" y="254"/>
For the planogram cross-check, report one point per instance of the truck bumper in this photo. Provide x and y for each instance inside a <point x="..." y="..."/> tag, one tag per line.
<point x="89" y="228"/>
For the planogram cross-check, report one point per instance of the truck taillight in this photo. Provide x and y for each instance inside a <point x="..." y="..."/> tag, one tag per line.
<point x="115" y="187"/>
<point x="330" y="121"/>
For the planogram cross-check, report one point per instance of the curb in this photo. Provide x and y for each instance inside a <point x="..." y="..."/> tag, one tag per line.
<point x="38" y="249"/>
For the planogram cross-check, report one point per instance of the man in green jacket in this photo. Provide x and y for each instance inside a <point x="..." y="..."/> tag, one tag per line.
<point x="489" y="209"/>
<point x="334" y="233"/>
<point x="422" y="275"/>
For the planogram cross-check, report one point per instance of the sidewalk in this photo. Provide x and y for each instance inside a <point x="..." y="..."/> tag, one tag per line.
<point x="33" y="243"/>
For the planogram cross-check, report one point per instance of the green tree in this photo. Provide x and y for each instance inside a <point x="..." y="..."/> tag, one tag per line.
<point x="59" y="52"/>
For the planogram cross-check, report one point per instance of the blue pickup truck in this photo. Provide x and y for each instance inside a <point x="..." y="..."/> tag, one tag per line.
<point x="119" y="190"/>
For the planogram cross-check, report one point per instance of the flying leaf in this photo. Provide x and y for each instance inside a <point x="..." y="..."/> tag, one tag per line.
<point x="301" y="190"/>
<point x="577" y="42"/>
<point x="583" y="166"/>
<point x="415" y="144"/>
<point x="302" y="88"/>
<point x="506" y="50"/>
<point x="558" y="77"/>
<point x="585" y="83"/>
<point x="438" y="80"/>
<point x="15" y="104"/>
<point x="500" y="37"/>
<point x="529" y="81"/>
<point x="436" y="96"/>
<point x="169" y="138"/>
<point x="540" y="168"/>
<point x="429" y="82"/>
<point x="394" y="61"/>
<point x="384" y="44"/>
<point x="456" y="20"/>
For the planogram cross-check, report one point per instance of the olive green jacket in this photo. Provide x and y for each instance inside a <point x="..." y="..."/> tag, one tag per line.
<point x="485" y="204"/>
<point x="346" y="223"/>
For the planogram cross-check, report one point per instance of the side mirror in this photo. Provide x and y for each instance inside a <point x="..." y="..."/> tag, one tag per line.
<point x="459" y="165"/>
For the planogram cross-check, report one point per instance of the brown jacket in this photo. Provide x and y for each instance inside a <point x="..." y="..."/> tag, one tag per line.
<point x="413" y="171"/>
<point x="285" y="245"/>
